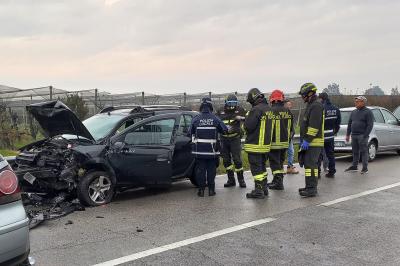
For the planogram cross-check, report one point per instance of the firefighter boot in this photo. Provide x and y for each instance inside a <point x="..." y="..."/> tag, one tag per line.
<point x="278" y="184"/>
<point x="258" y="192"/>
<point x="211" y="190"/>
<point x="200" y="193"/>
<point x="265" y="188"/>
<point x="240" y="178"/>
<point x="272" y="182"/>
<point x="231" y="179"/>
<point x="311" y="187"/>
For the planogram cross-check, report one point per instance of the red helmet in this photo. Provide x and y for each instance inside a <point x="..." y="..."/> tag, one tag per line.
<point x="277" y="96"/>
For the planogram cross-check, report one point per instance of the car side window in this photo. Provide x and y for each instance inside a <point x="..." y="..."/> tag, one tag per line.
<point x="389" y="118"/>
<point x="184" y="124"/>
<point x="153" y="133"/>
<point x="378" y="116"/>
<point x="127" y="124"/>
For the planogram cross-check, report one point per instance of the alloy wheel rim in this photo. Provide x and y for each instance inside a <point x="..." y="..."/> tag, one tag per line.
<point x="372" y="151"/>
<point x="99" y="189"/>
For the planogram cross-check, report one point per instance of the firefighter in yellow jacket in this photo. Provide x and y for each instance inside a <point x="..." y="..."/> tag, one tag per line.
<point x="311" y="138"/>
<point x="282" y="132"/>
<point x="258" y="141"/>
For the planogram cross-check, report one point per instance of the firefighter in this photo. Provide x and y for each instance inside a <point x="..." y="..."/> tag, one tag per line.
<point x="282" y="132"/>
<point x="258" y="141"/>
<point x="311" y="138"/>
<point x="332" y="125"/>
<point x="232" y="114"/>
<point x="204" y="131"/>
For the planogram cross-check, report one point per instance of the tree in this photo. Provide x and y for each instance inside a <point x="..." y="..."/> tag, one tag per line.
<point x="375" y="90"/>
<point x="395" y="91"/>
<point x="333" y="89"/>
<point x="77" y="105"/>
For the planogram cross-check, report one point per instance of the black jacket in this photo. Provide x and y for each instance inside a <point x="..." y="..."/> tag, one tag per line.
<point x="332" y="120"/>
<point x="258" y="129"/>
<point x="312" y="126"/>
<point x="361" y="122"/>
<point x="232" y="119"/>
<point x="282" y="126"/>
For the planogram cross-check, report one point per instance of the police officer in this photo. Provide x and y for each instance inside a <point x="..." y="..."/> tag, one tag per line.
<point x="282" y="132"/>
<point x="232" y="114"/>
<point x="258" y="141"/>
<point x="311" y="138"/>
<point x="332" y="125"/>
<point x="204" y="131"/>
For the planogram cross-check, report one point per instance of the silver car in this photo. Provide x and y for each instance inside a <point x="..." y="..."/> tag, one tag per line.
<point x="14" y="224"/>
<point x="385" y="135"/>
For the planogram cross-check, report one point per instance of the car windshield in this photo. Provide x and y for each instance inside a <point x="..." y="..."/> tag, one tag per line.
<point x="100" y="125"/>
<point x="345" y="117"/>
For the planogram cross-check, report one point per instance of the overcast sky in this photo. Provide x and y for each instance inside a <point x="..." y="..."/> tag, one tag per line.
<point x="167" y="46"/>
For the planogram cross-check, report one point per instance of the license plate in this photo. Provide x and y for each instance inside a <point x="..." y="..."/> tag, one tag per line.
<point x="339" y="144"/>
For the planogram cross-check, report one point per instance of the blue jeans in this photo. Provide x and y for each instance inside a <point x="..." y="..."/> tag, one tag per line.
<point x="290" y="154"/>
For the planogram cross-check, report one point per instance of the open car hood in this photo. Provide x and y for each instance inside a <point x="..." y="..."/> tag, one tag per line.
<point x="56" y="118"/>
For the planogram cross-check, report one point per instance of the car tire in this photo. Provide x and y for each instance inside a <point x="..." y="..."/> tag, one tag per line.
<point x="372" y="150"/>
<point x="96" y="188"/>
<point x="192" y="177"/>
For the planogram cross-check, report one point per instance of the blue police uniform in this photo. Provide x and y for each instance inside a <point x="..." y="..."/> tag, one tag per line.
<point x="332" y="126"/>
<point x="204" y="131"/>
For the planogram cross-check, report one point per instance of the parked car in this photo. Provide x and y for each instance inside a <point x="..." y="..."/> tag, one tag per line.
<point x="118" y="148"/>
<point x="385" y="135"/>
<point x="14" y="230"/>
<point x="397" y="112"/>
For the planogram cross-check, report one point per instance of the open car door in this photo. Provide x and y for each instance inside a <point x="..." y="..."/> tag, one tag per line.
<point x="142" y="155"/>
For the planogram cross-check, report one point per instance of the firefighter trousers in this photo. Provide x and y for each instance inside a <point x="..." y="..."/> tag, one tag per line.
<point x="258" y="167"/>
<point x="276" y="160"/>
<point x="231" y="150"/>
<point x="311" y="158"/>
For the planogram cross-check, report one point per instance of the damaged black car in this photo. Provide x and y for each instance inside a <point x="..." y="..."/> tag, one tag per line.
<point x="117" y="149"/>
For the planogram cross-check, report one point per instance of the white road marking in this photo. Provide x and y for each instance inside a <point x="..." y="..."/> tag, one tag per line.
<point x="186" y="242"/>
<point x="361" y="194"/>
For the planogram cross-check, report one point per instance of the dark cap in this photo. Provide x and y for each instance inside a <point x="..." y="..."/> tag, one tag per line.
<point x="324" y="96"/>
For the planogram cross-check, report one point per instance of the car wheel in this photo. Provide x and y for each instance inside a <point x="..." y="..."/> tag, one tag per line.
<point x="192" y="177"/>
<point x="96" y="188"/>
<point x="372" y="149"/>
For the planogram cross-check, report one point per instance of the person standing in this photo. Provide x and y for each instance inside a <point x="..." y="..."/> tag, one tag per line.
<point x="204" y="131"/>
<point x="282" y="131"/>
<point x="332" y="126"/>
<point x="360" y="125"/>
<point x="311" y="138"/>
<point x="291" y="169"/>
<point x="258" y="141"/>
<point x="232" y="114"/>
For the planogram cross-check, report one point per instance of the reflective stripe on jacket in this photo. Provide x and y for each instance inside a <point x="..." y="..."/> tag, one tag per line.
<point x="204" y="131"/>
<point x="229" y="119"/>
<point x="257" y="126"/>
<point x="332" y="120"/>
<point x="312" y="125"/>
<point x="282" y="126"/>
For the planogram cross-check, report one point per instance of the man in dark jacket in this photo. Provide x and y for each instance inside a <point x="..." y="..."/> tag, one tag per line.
<point x="360" y="125"/>
<point x="204" y="131"/>
<point x="332" y="126"/>
<point x="258" y="141"/>
<point x="232" y="114"/>
<point x="311" y="138"/>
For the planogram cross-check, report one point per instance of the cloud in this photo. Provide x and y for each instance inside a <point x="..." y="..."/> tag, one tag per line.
<point x="165" y="46"/>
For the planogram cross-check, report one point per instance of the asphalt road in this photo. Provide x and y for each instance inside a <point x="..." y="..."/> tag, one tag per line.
<point x="229" y="229"/>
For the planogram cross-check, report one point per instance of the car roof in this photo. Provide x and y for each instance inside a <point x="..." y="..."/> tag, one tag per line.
<point x="132" y="109"/>
<point x="353" y="108"/>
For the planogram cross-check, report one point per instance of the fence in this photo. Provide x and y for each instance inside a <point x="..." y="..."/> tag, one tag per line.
<point x="15" y="100"/>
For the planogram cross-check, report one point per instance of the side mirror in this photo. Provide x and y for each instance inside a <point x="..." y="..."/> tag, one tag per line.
<point x="119" y="145"/>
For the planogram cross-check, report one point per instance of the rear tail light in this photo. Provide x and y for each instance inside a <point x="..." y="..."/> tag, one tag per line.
<point x="8" y="182"/>
<point x="9" y="191"/>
